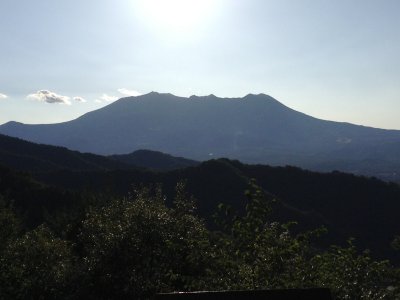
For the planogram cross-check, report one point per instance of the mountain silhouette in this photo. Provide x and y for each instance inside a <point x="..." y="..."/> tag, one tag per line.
<point x="154" y="160"/>
<point x="253" y="129"/>
<point x="27" y="156"/>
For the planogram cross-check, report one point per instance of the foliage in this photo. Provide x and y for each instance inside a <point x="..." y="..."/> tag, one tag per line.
<point x="267" y="254"/>
<point x="9" y="224"/>
<point x="352" y="275"/>
<point x="137" y="246"/>
<point x="37" y="265"/>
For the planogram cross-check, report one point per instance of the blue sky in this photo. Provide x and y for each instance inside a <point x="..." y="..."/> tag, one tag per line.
<point x="336" y="60"/>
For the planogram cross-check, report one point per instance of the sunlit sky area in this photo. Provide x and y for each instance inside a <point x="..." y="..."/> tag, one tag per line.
<point x="337" y="60"/>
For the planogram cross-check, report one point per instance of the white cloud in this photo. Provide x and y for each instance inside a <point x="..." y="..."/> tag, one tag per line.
<point x="79" y="99"/>
<point x="127" y="92"/>
<point x="49" y="97"/>
<point x="98" y="101"/>
<point x="108" y="98"/>
<point x="3" y="96"/>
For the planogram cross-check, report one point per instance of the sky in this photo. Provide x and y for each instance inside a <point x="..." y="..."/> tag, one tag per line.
<point x="336" y="60"/>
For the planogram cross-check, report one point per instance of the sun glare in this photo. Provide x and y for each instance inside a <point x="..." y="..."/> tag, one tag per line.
<point x="176" y="16"/>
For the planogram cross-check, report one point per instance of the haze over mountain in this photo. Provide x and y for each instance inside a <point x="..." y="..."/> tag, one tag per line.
<point x="253" y="129"/>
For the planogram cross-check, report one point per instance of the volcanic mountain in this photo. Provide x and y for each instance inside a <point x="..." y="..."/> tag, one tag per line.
<point x="253" y="129"/>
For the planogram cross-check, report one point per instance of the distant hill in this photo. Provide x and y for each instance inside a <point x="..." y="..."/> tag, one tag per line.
<point x="27" y="156"/>
<point x="23" y="155"/>
<point x="154" y="160"/>
<point x="253" y="129"/>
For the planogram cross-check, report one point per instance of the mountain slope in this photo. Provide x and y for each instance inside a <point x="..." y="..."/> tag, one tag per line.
<point x="23" y="155"/>
<point x="255" y="129"/>
<point x="154" y="160"/>
<point x="348" y="205"/>
<point x="27" y="156"/>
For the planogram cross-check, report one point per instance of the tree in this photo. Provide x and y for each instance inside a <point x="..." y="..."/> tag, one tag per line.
<point x="9" y="224"/>
<point x="266" y="254"/>
<point x="137" y="246"/>
<point x="36" y="265"/>
<point x="353" y="275"/>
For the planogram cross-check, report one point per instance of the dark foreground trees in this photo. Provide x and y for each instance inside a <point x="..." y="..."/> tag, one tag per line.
<point x="137" y="246"/>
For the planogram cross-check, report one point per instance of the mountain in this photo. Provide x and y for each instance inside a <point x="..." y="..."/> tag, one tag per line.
<point x="27" y="156"/>
<point x="253" y="129"/>
<point x="23" y="155"/>
<point x="154" y="160"/>
<point x="348" y="205"/>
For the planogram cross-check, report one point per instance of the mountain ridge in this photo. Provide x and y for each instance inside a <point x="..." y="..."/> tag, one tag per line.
<point x="253" y="129"/>
<point x="346" y="204"/>
<point x="28" y="156"/>
<point x="154" y="160"/>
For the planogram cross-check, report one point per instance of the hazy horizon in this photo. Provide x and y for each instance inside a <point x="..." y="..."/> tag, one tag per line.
<point x="332" y="60"/>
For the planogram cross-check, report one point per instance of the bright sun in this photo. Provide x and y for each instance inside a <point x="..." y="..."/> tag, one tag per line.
<point x="176" y="16"/>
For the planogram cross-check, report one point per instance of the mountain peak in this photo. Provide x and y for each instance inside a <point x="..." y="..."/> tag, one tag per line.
<point x="260" y="96"/>
<point x="257" y="95"/>
<point x="12" y="123"/>
<point x="157" y="94"/>
<point x="255" y="128"/>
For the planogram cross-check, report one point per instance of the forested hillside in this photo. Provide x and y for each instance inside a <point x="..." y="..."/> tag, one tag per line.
<point x="89" y="226"/>
<point x="154" y="160"/>
<point x="349" y="206"/>
<point x="103" y="247"/>
<point x="27" y="156"/>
